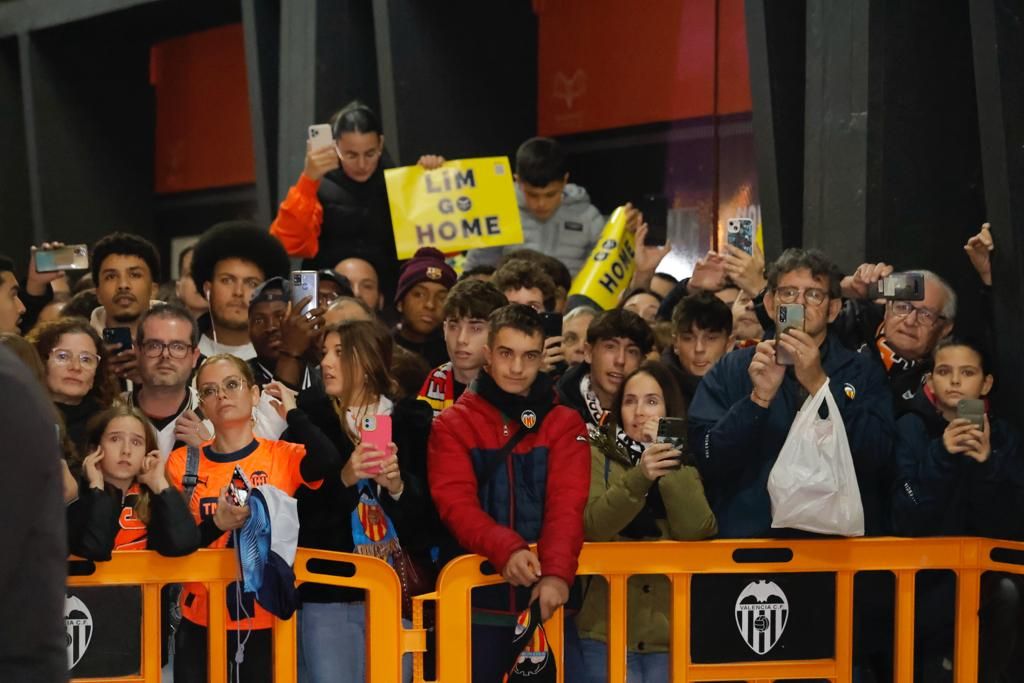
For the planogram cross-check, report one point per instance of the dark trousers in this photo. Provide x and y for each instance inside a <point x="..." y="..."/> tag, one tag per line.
<point x="190" y="655"/>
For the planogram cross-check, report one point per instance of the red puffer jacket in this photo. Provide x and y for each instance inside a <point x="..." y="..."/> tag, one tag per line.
<point x="536" y="495"/>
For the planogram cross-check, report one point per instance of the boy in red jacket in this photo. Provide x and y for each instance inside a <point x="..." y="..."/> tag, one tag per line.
<point x="508" y="467"/>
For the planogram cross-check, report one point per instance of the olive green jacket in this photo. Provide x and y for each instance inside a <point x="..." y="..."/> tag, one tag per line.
<point x="618" y="492"/>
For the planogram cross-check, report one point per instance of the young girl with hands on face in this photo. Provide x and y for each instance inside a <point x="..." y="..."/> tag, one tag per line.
<point x="125" y="501"/>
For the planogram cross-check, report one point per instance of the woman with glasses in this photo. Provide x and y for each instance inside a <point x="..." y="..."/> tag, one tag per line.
<point x="78" y="375"/>
<point x="339" y="209"/>
<point x="228" y="394"/>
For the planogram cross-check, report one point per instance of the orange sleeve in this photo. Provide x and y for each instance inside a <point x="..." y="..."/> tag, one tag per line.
<point x="299" y="218"/>
<point x="174" y="470"/>
<point x="293" y="455"/>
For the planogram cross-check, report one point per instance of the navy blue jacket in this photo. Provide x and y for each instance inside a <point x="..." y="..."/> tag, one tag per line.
<point x="736" y="442"/>
<point x="938" y="493"/>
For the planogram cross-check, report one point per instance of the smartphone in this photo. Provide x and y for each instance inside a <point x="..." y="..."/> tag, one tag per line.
<point x="672" y="430"/>
<point x="972" y="409"/>
<point x="305" y="283"/>
<point x="898" y="287"/>
<point x="552" y="324"/>
<point x="739" y="232"/>
<point x="71" y="257"/>
<point x="320" y="137"/>
<point x="238" y="487"/>
<point x="790" y="316"/>
<point x="654" y="207"/>
<point x="376" y="431"/>
<point x="118" y="336"/>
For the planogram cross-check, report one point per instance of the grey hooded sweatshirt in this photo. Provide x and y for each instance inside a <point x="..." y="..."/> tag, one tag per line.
<point x="569" y="235"/>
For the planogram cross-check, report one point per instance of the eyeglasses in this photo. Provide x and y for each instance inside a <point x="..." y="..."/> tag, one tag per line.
<point x="813" y="296"/>
<point x="925" y="316"/>
<point x="232" y="386"/>
<point x="175" y="349"/>
<point x="89" y="361"/>
<point x="369" y="155"/>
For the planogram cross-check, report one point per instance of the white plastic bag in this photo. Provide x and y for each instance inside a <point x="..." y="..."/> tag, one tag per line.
<point x="813" y="485"/>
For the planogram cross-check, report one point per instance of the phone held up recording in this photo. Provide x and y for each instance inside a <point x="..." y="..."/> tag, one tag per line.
<point x="790" y="317"/>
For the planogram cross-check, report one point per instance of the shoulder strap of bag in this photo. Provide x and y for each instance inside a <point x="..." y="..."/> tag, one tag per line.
<point x="491" y="468"/>
<point x="191" y="476"/>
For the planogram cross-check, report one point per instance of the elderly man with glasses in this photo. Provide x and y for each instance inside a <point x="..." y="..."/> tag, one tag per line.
<point x="899" y="335"/>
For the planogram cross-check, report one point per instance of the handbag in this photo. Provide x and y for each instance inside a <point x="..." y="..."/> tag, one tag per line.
<point x="416" y="578"/>
<point x="813" y="485"/>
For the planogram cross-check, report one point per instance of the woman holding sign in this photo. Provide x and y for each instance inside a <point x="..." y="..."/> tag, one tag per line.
<point x="338" y="209"/>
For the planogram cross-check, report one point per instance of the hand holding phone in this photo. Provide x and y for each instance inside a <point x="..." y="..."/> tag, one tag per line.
<point x="119" y="337"/>
<point x="376" y="431"/>
<point x="70" y="257"/>
<point x="739" y="232"/>
<point x="898" y="287"/>
<point x="238" y="488"/>
<point x="790" y="316"/>
<point x="972" y="410"/>
<point x="320" y="137"/>
<point x="672" y="430"/>
<point x="654" y="208"/>
<point x="305" y="284"/>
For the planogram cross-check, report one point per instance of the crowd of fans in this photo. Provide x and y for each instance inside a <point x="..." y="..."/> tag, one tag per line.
<point x="506" y="432"/>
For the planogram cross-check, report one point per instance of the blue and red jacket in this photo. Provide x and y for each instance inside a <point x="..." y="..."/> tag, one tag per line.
<point x="537" y="495"/>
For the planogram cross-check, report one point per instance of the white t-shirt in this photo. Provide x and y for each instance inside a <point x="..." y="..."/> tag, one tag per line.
<point x="208" y="348"/>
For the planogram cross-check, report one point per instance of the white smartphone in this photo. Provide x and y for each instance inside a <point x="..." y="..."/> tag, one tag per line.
<point x="320" y="136"/>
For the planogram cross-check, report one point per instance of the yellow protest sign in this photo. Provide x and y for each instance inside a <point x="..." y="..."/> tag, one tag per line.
<point x="609" y="268"/>
<point x="467" y="203"/>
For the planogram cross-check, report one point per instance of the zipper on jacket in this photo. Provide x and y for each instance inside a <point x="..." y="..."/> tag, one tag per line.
<point x="511" y="513"/>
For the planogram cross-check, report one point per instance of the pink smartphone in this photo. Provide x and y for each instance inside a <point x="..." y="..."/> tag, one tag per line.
<point x="376" y="431"/>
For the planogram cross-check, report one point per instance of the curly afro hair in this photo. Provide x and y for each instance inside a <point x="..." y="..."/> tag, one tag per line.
<point x="243" y="240"/>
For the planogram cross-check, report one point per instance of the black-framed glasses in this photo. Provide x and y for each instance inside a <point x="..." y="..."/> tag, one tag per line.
<point x="925" y="316"/>
<point x="175" y="349"/>
<point x="812" y="295"/>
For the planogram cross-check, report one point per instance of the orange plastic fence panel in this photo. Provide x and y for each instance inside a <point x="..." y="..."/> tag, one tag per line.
<point x="968" y="557"/>
<point x="386" y="638"/>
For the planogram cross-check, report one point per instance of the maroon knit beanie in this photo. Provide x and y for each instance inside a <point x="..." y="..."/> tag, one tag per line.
<point x="426" y="265"/>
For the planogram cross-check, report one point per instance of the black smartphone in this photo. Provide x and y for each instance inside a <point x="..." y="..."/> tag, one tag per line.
<point x="654" y="207"/>
<point x="973" y="410"/>
<point x="673" y="430"/>
<point x="552" y="324"/>
<point x="790" y="316"/>
<point x="118" y="336"/>
<point x="898" y="287"/>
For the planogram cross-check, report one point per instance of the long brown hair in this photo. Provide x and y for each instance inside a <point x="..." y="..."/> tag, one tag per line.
<point x="45" y="338"/>
<point x="365" y="364"/>
<point x="95" y="429"/>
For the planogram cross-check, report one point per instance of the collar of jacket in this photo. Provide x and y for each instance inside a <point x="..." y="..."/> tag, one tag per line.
<point x="540" y="400"/>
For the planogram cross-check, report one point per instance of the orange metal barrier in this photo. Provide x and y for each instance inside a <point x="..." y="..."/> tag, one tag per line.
<point x="967" y="557"/>
<point x="218" y="568"/>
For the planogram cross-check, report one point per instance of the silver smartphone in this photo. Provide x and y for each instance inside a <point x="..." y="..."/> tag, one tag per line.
<point x="789" y="317"/>
<point x="305" y="283"/>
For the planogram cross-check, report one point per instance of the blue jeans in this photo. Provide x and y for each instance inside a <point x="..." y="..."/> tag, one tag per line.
<point x="640" y="668"/>
<point x="332" y="643"/>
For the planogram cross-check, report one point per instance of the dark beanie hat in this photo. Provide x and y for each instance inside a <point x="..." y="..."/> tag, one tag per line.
<point x="426" y="265"/>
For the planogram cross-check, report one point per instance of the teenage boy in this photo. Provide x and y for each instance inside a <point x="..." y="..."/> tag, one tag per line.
<point x="509" y="467"/>
<point x="466" y="310"/>
<point x="557" y="216"/>
<point x="230" y="260"/>
<point x="11" y="308"/>
<point x="422" y="287"/>
<point x="956" y="478"/>
<point x="701" y="335"/>
<point x="168" y="341"/>
<point x="617" y="342"/>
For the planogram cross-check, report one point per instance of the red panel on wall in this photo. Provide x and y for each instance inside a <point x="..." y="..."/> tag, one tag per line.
<point x="607" y="63"/>
<point x="203" y="130"/>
